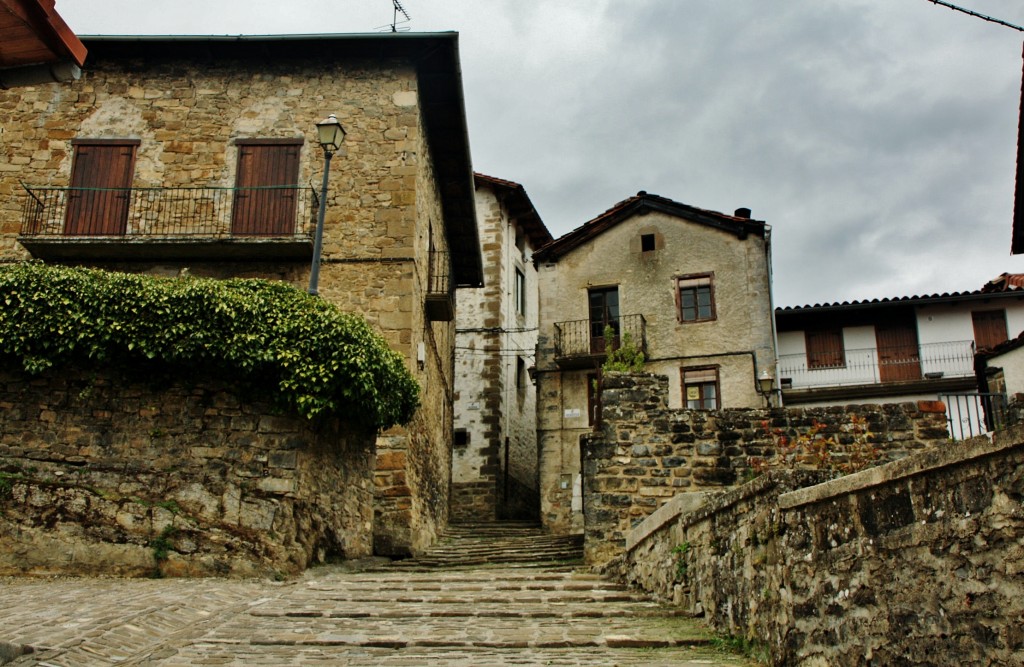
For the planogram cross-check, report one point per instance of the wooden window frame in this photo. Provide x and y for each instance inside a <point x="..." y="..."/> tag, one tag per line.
<point x="695" y="281"/>
<point x="820" y="358"/>
<point x="704" y="373"/>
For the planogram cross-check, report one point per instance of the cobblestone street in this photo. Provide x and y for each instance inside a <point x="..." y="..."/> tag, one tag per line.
<point x="331" y="615"/>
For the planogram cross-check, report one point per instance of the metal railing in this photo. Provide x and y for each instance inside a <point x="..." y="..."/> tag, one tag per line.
<point x="439" y="277"/>
<point x="971" y="414"/>
<point x="874" y="365"/>
<point x="579" y="338"/>
<point x="210" y="212"/>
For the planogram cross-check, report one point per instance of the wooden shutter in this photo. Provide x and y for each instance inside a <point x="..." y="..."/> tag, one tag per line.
<point x="989" y="328"/>
<point x="261" y="206"/>
<point x="898" y="356"/>
<point x="101" y="181"/>
<point x="825" y="348"/>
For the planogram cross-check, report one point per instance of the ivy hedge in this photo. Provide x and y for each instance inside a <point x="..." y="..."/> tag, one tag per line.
<point x="324" y="361"/>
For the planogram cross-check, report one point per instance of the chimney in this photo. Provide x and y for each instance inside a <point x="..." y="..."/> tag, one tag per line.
<point x="742" y="213"/>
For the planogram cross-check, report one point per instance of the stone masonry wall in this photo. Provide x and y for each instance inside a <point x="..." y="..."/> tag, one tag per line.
<point x="645" y="454"/>
<point x="917" y="562"/>
<point x="134" y="471"/>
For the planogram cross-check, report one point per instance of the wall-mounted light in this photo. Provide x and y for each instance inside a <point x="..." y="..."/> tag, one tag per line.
<point x="765" y="385"/>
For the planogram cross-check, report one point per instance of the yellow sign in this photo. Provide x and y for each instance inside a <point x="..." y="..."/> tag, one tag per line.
<point x="693" y="393"/>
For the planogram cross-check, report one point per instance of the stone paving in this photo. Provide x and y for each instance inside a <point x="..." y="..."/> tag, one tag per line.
<point x="332" y="615"/>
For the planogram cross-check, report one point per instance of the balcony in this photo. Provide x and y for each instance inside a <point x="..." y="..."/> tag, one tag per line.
<point x="440" y="301"/>
<point x="187" y="223"/>
<point x="934" y="364"/>
<point x="579" y="345"/>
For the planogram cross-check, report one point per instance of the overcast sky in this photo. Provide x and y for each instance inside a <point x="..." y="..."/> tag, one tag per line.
<point x="876" y="137"/>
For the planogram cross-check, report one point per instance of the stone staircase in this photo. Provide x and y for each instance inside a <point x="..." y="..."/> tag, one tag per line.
<point x="498" y="542"/>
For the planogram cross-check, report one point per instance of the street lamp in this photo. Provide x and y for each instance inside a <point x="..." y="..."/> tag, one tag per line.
<point x="330" y="134"/>
<point x="765" y="384"/>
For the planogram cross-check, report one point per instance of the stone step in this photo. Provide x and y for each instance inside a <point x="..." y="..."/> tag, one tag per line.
<point x="504" y="542"/>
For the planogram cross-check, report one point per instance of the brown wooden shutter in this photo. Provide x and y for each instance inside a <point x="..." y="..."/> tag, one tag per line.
<point x="825" y="348"/>
<point x="101" y="180"/>
<point x="261" y="208"/>
<point x="898" y="357"/>
<point x="989" y="328"/>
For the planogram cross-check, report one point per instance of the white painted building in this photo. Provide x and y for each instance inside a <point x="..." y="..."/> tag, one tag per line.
<point x="894" y="350"/>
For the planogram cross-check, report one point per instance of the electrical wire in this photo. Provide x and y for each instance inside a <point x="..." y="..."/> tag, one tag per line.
<point x="969" y="12"/>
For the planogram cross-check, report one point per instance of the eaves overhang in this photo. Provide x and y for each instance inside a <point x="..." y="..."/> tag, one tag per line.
<point x="519" y="207"/>
<point x="978" y="296"/>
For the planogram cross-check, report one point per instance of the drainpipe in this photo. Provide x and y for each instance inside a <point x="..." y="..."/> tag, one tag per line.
<point x="771" y="310"/>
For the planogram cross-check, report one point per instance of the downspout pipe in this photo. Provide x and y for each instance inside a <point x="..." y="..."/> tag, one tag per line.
<point x="771" y="310"/>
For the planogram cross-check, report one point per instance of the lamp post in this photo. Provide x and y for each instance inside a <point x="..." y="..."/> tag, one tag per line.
<point x="330" y="134"/>
<point x="765" y="384"/>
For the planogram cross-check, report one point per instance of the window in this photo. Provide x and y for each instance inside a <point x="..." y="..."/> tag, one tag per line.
<point x="825" y="348"/>
<point x="520" y="374"/>
<point x="604" y="312"/>
<point x="520" y="293"/>
<point x="646" y="242"/>
<point x="264" y="204"/>
<point x="101" y="178"/>
<point x="695" y="298"/>
<point x="700" y="388"/>
<point x="461" y="438"/>
<point x="989" y="328"/>
<point x="593" y="404"/>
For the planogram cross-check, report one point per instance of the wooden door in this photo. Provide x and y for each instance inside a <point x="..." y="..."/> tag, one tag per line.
<point x="898" y="353"/>
<point x="101" y="180"/>
<point x="265" y="195"/>
<point x="604" y="312"/>
<point x="989" y="328"/>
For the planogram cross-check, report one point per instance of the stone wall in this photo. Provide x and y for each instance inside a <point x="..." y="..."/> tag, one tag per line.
<point x="142" y="470"/>
<point x="917" y="562"/>
<point x="644" y="453"/>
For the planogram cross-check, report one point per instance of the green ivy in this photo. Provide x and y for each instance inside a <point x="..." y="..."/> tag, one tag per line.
<point x="323" y="361"/>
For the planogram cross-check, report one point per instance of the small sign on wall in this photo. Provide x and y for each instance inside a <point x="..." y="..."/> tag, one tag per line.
<point x="572" y="413"/>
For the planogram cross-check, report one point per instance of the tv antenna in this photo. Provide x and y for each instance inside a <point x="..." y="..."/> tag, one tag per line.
<point x="395" y="23"/>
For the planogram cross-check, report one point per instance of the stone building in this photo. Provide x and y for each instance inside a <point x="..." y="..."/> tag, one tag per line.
<point x="692" y="290"/>
<point x="200" y="154"/>
<point x="494" y="472"/>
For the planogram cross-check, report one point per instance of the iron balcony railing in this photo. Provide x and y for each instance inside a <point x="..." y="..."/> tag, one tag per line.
<point x="583" y="338"/>
<point x="439" y="278"/>
<point x="201" y="212"/>
<point x="874" y="365"/>
<point x="440" y="299"/>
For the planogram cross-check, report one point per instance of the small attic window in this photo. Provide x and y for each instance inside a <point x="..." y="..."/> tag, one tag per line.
<point x="646" y="242"/>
